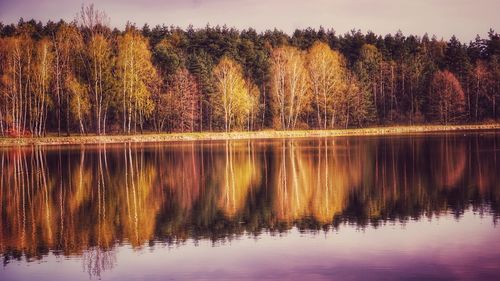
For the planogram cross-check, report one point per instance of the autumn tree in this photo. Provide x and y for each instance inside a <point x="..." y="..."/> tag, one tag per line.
<point x="289" y="85"/>
<point x="446" y="97"/>
<point x="42" y="76"/>
<point x="327" y="72"/>
<point x="136" y="76"/>
<point x="68" y="46"/>
<point x="231" y="101"/>
<point x="255" y="106"/>
<point x="184" y="97"/>
<point x="161" y="102"/>
<point x="99" y="63"/>
<point x="356" y="106"/>
<point x="10" y="93"/>
<point x="17" y="69"/>
<point x="79" y="103"/>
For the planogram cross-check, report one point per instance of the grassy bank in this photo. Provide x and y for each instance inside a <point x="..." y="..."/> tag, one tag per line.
<point x="164" y="137"/>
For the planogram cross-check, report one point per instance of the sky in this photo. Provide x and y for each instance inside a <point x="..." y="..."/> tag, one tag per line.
<point x="443" y="18"/>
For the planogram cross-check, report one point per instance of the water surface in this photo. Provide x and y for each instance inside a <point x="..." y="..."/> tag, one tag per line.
<point x="395" y="207"/>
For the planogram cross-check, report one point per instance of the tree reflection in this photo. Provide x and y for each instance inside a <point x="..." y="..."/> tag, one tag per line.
<point x="84" y="200"/>
<point x="96" y="260"/>
<point x="313" y="180"/>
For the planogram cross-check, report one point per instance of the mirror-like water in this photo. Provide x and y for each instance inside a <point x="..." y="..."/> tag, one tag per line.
<point x="412" y="207"/>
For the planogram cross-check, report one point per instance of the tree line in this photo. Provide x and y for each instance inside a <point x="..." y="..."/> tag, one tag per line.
<point x="84" y="77"/>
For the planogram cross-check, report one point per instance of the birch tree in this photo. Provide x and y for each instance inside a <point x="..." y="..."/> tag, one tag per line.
<point x="42" y="76"/>
<point x="231" y="101"/>
<point x="79" y="103"/>
<point x="16" y="65"/>
<point x="290" y="85"/>
<point x="101" y="61"/>
<point x="136" y="76"/>
<point x="327" y="70"/>
<point x="68" y="44"/>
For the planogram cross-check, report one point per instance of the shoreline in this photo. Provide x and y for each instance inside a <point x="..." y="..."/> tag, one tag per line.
<point x="265" y="134"/>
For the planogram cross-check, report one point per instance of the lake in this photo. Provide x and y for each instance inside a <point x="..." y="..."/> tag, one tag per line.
<point x="412" y="207"/>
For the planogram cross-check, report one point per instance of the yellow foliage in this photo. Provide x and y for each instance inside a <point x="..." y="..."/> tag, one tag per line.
<point x="232" y="101"/>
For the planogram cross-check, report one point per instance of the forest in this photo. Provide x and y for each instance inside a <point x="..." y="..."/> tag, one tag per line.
<point x="84" y="77"/>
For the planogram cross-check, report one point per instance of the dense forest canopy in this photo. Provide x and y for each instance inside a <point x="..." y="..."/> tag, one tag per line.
<point x="84" y="77"/>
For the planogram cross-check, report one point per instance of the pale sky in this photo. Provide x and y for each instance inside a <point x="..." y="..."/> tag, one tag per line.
<point x="464" y="18"/>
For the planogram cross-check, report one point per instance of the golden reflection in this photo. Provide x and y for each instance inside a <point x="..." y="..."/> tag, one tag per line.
<point x="314" y="180"/>
<point x="240" y="176"/>
<point x="84" y="200"/>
